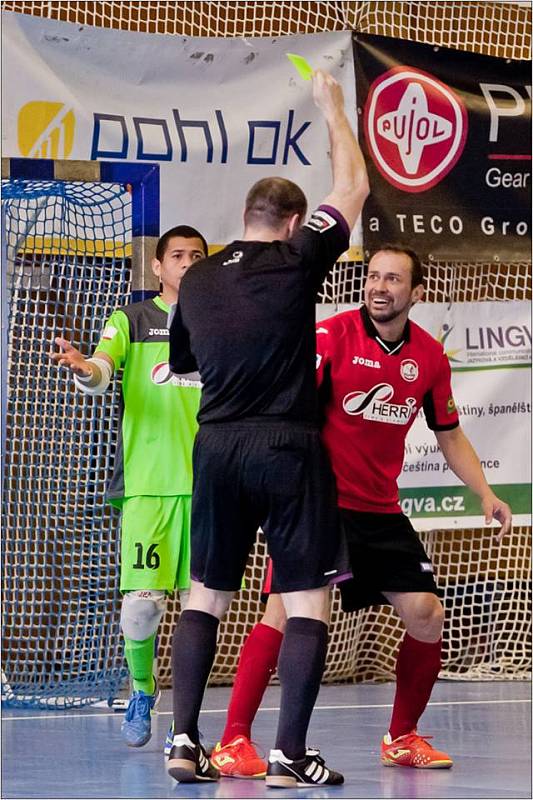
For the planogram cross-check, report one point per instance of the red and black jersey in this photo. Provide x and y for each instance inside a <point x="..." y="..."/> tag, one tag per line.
<point x="371" y="393"/>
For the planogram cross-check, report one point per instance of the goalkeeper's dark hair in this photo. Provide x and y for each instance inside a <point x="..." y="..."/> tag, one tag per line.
<point x="185" y="231"/>
<point x="271" y="200"/>
<point x="417" y="268"/>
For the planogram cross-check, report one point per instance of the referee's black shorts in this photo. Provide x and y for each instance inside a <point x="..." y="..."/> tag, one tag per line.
<point x="386" y="555"/>
<point x="275" y="476"/>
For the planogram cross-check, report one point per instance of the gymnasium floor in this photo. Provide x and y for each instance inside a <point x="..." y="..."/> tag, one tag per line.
<point x="486" y="727"/>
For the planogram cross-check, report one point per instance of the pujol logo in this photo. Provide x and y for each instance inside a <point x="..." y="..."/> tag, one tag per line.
<point x="45" y="130"/>
<point x="415" y="127"/>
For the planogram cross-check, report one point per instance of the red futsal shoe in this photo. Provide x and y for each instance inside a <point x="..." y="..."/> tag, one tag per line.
<point x="412" y="750"/>
<point x="238" y="759"/>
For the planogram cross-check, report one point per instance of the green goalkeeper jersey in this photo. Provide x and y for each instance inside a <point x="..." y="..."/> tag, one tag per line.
<point x="158" y="409"/>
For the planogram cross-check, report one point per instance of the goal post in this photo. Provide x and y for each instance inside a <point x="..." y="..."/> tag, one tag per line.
<point x="78" y="241"/>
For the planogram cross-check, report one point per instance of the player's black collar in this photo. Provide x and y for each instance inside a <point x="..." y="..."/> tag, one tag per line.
<point x="391" y="348"/>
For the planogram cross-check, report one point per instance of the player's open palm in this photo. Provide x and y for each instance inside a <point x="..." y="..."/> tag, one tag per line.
<point x="494" y="508"/>
<point x="70" y="357"/>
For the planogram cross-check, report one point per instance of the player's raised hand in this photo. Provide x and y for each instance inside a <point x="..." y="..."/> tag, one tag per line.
<point x="494" y="508"/>
<point x="327" y="94"/>
<point x="71" y="358"/>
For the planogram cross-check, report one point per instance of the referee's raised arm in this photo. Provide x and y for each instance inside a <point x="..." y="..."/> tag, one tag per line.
<point x="350" y="180"/>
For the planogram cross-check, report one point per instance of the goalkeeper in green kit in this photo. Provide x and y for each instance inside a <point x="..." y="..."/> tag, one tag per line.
<point x="152" y="478"/>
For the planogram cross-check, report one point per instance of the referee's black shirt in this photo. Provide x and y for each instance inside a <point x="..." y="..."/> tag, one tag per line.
<point x="246" y="321"/>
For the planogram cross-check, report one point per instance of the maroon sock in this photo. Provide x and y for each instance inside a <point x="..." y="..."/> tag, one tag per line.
<point x="257" y="662"/>
<point x="417" y="669"/>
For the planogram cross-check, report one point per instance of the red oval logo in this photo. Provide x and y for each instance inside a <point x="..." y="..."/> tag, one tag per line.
<point x="415" y="127"/>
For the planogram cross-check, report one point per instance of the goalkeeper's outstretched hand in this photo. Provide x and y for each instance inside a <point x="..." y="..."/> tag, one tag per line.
<point x="71" y="358"/>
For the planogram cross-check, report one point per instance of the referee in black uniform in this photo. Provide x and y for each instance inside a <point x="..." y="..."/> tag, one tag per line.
<point x="247" y="319"/>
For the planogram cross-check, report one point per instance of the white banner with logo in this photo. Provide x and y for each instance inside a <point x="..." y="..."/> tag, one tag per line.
<point x="489" y="348"/>
<point x="216" y="114"/>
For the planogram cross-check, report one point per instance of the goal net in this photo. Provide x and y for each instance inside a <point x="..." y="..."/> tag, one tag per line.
<point x="61" y="610"/>
<point x="67" y="264"/>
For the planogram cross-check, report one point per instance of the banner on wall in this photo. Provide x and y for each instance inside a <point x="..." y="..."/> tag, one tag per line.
<point x="489" y="349"/>
<point x="216" y="114"/>
<point x="447" y="139"/>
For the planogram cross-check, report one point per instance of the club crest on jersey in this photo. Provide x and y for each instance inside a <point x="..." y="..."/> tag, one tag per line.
<point x="409" y="370"/>
<point x="320" y="221"/>
<point x="161" y="375"/>
<point x="374" y="405"/>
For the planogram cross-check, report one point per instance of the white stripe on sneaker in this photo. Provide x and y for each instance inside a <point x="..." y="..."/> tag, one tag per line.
<point x="325" y="776"/>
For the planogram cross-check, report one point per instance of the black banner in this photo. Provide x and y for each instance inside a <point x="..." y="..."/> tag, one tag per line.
<point x="447" y="140"/>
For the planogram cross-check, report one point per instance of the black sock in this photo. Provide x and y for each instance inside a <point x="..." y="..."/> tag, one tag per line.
<point x="194" y="645"/>
<point x="300" y="667"/>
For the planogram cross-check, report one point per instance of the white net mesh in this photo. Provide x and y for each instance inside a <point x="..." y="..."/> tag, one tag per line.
<point x="61" y="646"/>
<point x="486" y="586"/>
<point x="502" y="29"/>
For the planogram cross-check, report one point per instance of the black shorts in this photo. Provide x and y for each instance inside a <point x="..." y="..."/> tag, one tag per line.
<point x="386" y="555"/>
<point x="276" y="477"/>
<point x="341" y="572"/>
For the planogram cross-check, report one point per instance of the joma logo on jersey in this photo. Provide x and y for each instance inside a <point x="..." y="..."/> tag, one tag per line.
<point x="374" y="405"/>
<point x="158" y="332"/>
<point x="359" y="361"/>
<point x="45" y="130"/>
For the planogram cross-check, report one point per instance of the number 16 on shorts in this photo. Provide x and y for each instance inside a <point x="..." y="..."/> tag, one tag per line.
<point x="155" y="546"/>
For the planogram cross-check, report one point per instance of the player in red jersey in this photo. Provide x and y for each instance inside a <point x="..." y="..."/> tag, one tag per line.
<point x="376" y="369"/>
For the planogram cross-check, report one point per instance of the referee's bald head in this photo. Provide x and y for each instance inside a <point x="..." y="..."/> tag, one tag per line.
<point x="271" y="201"/>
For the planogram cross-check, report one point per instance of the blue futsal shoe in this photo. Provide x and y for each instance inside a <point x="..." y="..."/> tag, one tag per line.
<point x="169" y="741"/>
<point x="136" y="728"/>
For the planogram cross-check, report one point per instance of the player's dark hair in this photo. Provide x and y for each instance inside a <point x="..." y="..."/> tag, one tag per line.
<point x="417" y="269"/>
<point x="271" y="200"/>
<point x="180" y="230"/>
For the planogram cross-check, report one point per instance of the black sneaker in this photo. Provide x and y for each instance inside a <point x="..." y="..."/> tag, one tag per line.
<point x="188" y="763"/>
<point x="308" y="771"/>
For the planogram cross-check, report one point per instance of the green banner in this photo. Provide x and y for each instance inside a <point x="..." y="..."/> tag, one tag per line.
<point x="458" y="501"/>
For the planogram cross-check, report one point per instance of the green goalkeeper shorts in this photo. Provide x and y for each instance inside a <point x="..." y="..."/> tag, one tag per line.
<point x="156" y="543"/>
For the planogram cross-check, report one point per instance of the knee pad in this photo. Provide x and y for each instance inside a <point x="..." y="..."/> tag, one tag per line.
<point x="141" y="613"/>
